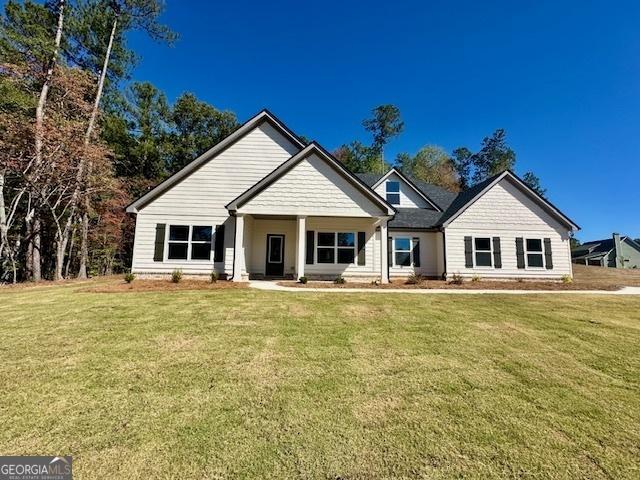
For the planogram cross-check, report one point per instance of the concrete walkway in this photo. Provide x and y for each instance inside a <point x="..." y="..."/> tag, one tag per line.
<point x="273" y="286"/>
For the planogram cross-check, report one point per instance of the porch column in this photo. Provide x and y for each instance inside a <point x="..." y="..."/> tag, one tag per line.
<point x="384" y="251"/>
<point x="301" y="246"/>
<point x="238" y="253"/>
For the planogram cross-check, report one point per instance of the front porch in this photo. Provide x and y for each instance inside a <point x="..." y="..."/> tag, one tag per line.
<point x="295" y="246"/>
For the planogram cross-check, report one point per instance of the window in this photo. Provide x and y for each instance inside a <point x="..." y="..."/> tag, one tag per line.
<point x="482" y="253"/>
<point x="336" y="247"/>
<point x="402" y="251"/>
<point x="187" y="241"/>
<point x="393" y="192"/>
<point x="533" y="253"/>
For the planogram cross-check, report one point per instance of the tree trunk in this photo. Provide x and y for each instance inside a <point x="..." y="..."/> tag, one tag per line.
<point x="34" y="248"/>
<point x="70" y="254"/>
<point x="84" y="241"/>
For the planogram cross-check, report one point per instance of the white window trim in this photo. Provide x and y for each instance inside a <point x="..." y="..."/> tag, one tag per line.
<point x="336" y="247"/>
<point x="394" y="250"/>
<point x="188" y="241"/>
<point x="386" y="192"/>
<point x="473" y="250"/>
<point x="541" y="252"/>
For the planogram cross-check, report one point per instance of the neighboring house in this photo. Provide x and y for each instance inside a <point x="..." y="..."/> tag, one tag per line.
<point x="614" y="252"/>
<point x="263" y="203"/>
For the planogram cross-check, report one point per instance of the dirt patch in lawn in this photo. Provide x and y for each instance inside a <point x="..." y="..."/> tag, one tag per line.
<point x="148" y="285"/>
<point x="607" y="276"/>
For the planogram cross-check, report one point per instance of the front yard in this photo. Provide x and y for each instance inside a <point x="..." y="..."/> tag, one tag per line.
<point x="238" y="383"/>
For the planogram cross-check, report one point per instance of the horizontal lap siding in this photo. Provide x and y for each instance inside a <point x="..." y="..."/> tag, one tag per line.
<point x="430" y="255"/>
<point x="409" y="198"/>
<point x="200" y="198"/>
<point x="372" y="247"/>
<point x="311" y="186"/>
<point x="505" y="212"/>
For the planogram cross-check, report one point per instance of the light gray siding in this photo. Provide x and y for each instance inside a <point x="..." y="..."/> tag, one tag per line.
<point x="409" y="198"/>
<point x="200" y="198"/>
<point x="506" y="212"/>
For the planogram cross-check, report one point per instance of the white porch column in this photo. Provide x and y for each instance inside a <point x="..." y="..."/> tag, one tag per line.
<point x="301" y="246"/>
<point x="238" y="254"/>
<point x="384" y="251"/>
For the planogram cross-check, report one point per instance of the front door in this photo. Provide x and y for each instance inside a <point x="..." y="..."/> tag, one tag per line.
<point x="275" y="256"/>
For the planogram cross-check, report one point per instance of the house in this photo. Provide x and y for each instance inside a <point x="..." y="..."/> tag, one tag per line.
<point x="614" y="252"/>
<point x="262" y="203"/>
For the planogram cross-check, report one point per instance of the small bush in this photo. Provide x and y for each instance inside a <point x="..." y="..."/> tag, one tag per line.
<point x="303" y="280"/>
<point x="520" y="280"/>
<point x="566" y="279"/>
<point x="214" y="276"/>
<point x="129" y="277"/>
<point x="339" y="280"/>
<point x="176" y="275"/>
<point x="414" y="279"/>
<point x="475" y="278"/>
<point x="457" y="279"/>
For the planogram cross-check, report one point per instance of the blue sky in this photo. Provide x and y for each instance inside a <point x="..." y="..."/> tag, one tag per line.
<point x="562" y="77"/>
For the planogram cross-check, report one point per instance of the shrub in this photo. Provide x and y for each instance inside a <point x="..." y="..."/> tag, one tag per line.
<point x="456" y="279"/>
<point x="129" y="277"/>
<point x="475" y="278"/>
<point x="176" y="275"/>
<point x="566" y="279"/>
<point x="339" y="280"/>
<point x="303" y="280"/>
<point x="214" y="276"/>
<point x="414" y="279"/>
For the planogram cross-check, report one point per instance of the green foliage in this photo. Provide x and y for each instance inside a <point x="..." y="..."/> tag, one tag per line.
<point x="339" y="280"/>
<point x="566" y="279"/>
<point x="214" y="277"/>
<point x="303" y="280"/>
<point x="533" y="182"/>
<point x="456" y="279"/>
<point x="129" y="277"/>
<point x="385" y="124"/>
<point x="414" y="279"/>
<point x="197" y="126"/>
<point x="475" y="278"/>
<point x="176" y="275"/>
<point x="574" y="242"/>
<point x="431" y="164"/>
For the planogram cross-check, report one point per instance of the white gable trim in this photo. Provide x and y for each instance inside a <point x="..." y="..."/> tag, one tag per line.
<point x="298" y="157"/>
<point x="249" y="125"/>
<point x="408" y="182"/>
<point x="545" y="204"/>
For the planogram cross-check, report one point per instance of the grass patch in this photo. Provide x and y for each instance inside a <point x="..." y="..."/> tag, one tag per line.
<point x="239" y="383"/>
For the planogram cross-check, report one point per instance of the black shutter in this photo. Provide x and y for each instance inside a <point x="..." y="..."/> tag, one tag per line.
<point x="361" y="249"/>
<point x="218" y="253"/>
<point x="497" y="253"/>
<point x="548" y="257"/>
<point x="468" y="252"/>
<point x="520" y="252"/>
<point x="389" y="251"/>
<point x="310" y="246"/>
<point x="158" y="251"/>
<point x="416" y="251"/>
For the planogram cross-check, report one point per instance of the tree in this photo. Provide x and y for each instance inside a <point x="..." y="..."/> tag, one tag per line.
<point x="197" y="126"/>
<point x="358" y="157"/>
<point x="533" y="182"/>
<point x="462" y="163"/>
<point x="385" y="124"/>
<point x="494" y="157"/>
<point x="431" y="164"/>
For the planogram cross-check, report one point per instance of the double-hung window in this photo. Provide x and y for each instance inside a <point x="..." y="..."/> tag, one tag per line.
<point x="482" y="253"/>
<point x="393" y="192"/>
<point x="402" y="252"/>
<point x="189" y="242"/>
<point x="336" y="247"/>
<point x="534" y="253"/>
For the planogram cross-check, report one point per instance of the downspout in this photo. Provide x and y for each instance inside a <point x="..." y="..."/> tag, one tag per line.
<point x="444" y="253"/>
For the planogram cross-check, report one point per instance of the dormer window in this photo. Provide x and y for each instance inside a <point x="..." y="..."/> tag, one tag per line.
<point x="393" y="192"/>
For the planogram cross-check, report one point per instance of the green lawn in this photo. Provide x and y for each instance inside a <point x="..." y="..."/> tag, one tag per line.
<point x="246" y="384"/>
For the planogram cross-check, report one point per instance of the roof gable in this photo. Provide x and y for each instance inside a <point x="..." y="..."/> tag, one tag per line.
<point x="255" y="122"/>
<point x="467" y="198"/>
<point x="311" y="179"/>
<point x="394" y="173"/>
